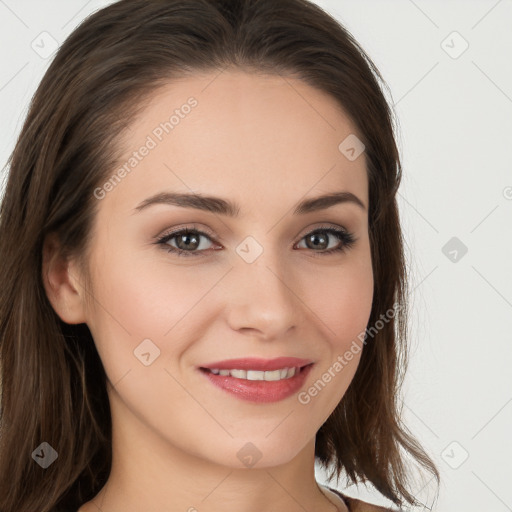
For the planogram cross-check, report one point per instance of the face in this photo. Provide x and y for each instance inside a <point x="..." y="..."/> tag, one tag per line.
<point x="265" y="283"/>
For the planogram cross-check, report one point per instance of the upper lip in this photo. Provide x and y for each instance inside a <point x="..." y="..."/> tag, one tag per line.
<point x="251" y="363"/>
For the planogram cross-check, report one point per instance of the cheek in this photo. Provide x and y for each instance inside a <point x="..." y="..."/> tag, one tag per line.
<point x="145" y="295"/>
<point x="342" y="298"/>
<point x="142" y="298"/>
<point x="347" y="308"/>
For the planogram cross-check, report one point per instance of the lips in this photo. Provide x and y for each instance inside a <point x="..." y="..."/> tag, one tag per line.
<point x="258" y="391"/>
<point x="251" y="363"/>
<point x="235" y="377"/>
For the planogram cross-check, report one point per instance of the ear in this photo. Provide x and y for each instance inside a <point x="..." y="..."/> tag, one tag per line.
<point x="60" y="280"/>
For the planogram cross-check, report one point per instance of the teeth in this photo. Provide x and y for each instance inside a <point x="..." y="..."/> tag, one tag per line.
<point x="273" y="375"/>
<point x="284" y="373"/>
<point x="241" y="374"/>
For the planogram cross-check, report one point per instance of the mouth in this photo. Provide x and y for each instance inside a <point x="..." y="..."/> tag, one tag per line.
<point x="259" y="386"/>
<point x="258" y="375"/>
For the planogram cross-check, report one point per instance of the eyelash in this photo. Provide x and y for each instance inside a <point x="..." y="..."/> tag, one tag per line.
<point x="348" y="240"/>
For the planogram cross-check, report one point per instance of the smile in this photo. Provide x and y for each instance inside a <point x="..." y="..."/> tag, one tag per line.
<point x="274" y="375"/>
<point x="258" y="385"/>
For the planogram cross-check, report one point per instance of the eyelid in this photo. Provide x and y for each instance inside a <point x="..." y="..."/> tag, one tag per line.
<point x="189" y="227"/>
<point x="322" y="225"/>
<point x="207" y="231"/>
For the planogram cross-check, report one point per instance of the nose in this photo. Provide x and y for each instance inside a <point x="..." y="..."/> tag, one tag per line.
<point x="262" y="298"/>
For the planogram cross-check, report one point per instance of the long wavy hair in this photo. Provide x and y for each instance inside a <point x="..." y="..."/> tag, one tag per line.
<point x="53" y="384"/>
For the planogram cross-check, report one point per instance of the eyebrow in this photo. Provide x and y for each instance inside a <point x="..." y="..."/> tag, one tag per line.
<point x="226" y="207"/>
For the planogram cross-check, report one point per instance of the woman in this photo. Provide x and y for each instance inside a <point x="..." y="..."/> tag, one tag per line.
<point x="203" y="271"/>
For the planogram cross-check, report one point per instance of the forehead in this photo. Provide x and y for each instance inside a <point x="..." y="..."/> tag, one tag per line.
<point x="239" y="134"/>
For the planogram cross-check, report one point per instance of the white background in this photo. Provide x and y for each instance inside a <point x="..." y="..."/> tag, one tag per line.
<point x="455" y="135"/>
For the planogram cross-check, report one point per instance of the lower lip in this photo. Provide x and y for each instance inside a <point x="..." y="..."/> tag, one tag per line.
<point x="260" y="391"/>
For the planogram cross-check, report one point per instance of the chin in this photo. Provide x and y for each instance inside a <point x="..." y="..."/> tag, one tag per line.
<point x="257" y="452"/>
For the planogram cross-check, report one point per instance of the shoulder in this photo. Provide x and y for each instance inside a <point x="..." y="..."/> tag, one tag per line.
<point x="356" y="505"/>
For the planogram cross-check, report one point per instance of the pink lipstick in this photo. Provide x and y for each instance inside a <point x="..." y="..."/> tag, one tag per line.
<point x="259" y="380"/>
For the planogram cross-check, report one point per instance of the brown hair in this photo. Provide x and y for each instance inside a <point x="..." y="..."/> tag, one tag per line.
<point x="53" y="381"/>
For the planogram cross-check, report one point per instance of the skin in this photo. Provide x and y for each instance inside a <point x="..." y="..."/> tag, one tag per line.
<point x="266" y="143"/>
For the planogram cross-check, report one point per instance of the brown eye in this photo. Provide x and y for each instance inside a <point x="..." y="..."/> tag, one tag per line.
<point x="320" y="239"/>
<point x="187" y="242"/>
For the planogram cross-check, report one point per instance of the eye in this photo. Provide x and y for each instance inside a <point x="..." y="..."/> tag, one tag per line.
<point x="187" y="241"/>
<point x="320" y="238"/>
